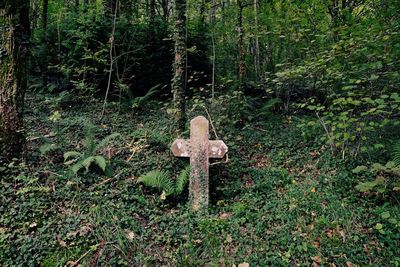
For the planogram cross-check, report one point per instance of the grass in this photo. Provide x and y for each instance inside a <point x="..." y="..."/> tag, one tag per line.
<point x="279" y="201"/>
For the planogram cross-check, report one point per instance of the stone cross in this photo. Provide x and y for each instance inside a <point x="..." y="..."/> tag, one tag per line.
<point x="199" y="149"/>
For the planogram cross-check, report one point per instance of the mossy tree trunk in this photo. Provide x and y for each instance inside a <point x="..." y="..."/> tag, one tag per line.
<point x="14" y="50"/>
<point x="44" y="52"/>
<point x="178" y="82"/>
<point x="242" y="62"/>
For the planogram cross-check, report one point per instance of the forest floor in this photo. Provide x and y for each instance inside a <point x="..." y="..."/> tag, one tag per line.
<point x="279" y="201"/>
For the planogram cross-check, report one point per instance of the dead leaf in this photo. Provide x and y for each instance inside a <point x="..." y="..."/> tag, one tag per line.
<point x="61" y="242"/>
<point x="197" y="241"/>
<point x="85" y="230"/>
<point x="229" y="239"/>
<point x="225" y="216"/>
<point x="130" y="235"/>
<point x="349" y="264"/>
<point x="316" y="259"/>
<point x="244" y="264"/>
<point x="33" y="225"/>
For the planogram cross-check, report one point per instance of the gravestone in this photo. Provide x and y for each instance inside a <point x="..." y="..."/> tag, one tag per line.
<point x="199" y="149"/>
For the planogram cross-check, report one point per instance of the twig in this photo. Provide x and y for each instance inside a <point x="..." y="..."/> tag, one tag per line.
<point x="211" y="122"/>
<point x="75" y="263"/>
<point x="50" y="135"/>
<point x="105" y="181"/>
<point x="322" y="122"/>
<point x="222" y="161"/>
<point x="111" y="60"/>
<point x="216" y="136"/>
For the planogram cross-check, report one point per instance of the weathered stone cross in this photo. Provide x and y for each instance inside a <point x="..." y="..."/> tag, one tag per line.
<point x="199" y="149"/>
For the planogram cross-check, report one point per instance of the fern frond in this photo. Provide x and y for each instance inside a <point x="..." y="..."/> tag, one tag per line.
<point x="266" y="108"/>
<point x="105" y="141"/>
<point x="138" y="101"/>
<point x="77" y="166"/>
<point x="159" y="180"/>
<point x="46" y="148"/>
<point x="90" y="144"/>
<point x="72" y="154"/>
<point x="101" y="162"/>
<point x="182" y="180"/>
<point x="87" y="162"/>
<point x="396" y="154"/>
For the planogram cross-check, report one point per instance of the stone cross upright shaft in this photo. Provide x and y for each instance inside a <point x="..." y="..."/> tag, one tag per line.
<point x="199" y="148"/>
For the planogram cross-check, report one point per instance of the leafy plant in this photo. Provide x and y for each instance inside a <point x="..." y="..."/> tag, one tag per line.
<point x="269" y="105"/>
<point x="137" y="102"/>
<point x="162" y="181"/>
<point x="385" y="177"/>
<point x="89" y="156"/>
<point x="396" y="154"/>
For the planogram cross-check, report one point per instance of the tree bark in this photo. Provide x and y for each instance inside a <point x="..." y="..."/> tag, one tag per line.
<point x="165" y="9"/>
<point x="14" y="50"/>
<point x="257" y="42"/>
<point x="242" y="63"/>
<point x="43" y="58"/>
<point x="152" y="19"/>
<point x="178" y="82"/>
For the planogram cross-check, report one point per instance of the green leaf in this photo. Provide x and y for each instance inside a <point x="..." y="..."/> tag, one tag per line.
<point x="182" y="180"/>
<point x="378" y="226"/>
<point x="365" y="187"/>
<point x="46" y="148"/>
<point x="385" y="215"/>
<point x="158" y="179"/>
<point x="72" y="154"/>
<point x="360" y="169"/>
<point x="101" y="162"/>
<point x="76" y="167"/>
<point x="105" y="141"/>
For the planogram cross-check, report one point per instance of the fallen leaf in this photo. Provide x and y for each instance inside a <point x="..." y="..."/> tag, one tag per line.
<point x="224" y="216"/>
<point x="32" y="225"/>
<point x="130" y="235"/>
<point x="316" y="259"/>
<point x="229" y="239"/>
<point x="61" y="242"/>
<point x="244" y="264"/>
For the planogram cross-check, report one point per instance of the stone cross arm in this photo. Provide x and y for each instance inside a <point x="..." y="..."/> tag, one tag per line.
<point x="182" y="148"/>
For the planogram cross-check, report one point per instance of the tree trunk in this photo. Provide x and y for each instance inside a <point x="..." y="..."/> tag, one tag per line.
<point x="257" y="42"/>
<point x="43" y="58"/>
<point x="111" y="5"/>
<point x="165" y="9"/>
<point x="242" y="63"/>
<point x="202" y="12"/>
<point x="152" y="18"/>
<point x="178" y="82"/>
<point x="14" y="44"/>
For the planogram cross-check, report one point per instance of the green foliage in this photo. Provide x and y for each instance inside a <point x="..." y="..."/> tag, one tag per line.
<point x="138" y="102"/>
<point x="386" y="178"/>
<point x="269" y="105"/>
<point x="89" y="156"/>
<point x="161" y="180"/>
<point x="396" y="154"/>
<point x="182" y="180"/>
